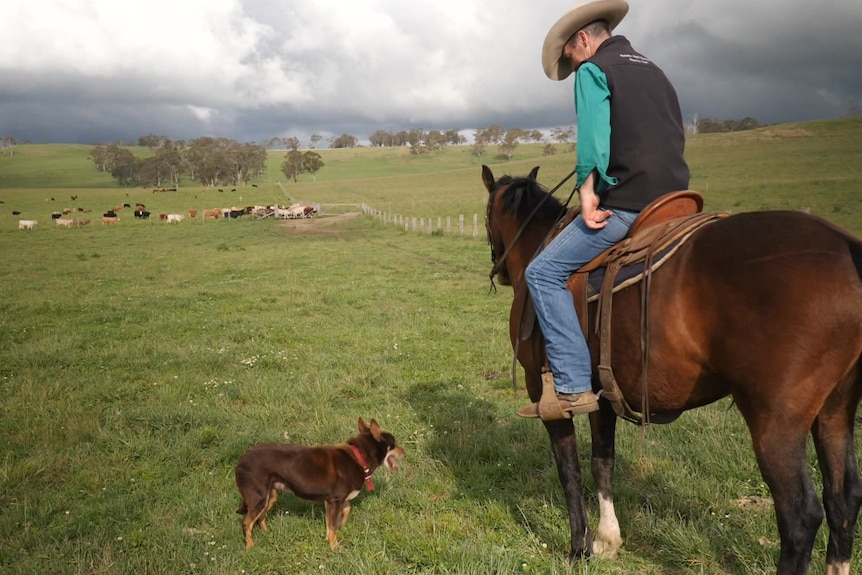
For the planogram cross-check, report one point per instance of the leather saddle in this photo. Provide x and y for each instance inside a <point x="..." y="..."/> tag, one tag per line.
<point x="660" y="228"/>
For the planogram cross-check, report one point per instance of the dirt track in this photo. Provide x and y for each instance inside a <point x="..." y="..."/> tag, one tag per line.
<point x="320" y="225"/>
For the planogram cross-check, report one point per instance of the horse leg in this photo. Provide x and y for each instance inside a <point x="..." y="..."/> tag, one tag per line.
<point x="780" y="451"/>
<point x="603" y="426"/>
<point x="842" y="488"/>
<point x="564" y="446"/>
<point x="563" y="442"/>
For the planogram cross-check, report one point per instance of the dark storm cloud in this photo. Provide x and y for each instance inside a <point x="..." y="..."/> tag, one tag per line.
<point x="250" y="70"/>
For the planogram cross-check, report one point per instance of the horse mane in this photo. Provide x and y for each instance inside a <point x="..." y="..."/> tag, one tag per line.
<point x="523" y="193"/>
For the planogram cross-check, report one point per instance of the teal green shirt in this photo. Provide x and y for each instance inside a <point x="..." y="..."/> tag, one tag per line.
<point x="593" y="107"/>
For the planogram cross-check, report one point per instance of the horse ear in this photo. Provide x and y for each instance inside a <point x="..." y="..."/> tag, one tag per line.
<point x="362" y="426"/>
<point x="375" y="430"/>
<point x="534" y="172"/>
<point x="488" y="178"/>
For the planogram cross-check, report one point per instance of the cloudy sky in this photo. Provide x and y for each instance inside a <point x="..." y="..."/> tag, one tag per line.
<point x="98" y="70"/>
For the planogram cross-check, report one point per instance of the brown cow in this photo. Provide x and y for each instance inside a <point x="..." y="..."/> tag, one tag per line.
<point x="193" y="213"/>
<point x="110" y="220"/>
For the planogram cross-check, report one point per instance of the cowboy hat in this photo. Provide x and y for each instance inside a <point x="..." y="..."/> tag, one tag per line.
<point x="558" y="67"/>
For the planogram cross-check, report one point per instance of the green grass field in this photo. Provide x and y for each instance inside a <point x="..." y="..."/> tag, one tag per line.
<point x="138" y="361"/>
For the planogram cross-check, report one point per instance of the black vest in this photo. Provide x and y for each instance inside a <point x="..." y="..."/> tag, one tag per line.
<point x="647" y="134"/>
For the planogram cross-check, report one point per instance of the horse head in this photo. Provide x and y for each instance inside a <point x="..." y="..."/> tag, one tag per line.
<point x="519" y="214"/>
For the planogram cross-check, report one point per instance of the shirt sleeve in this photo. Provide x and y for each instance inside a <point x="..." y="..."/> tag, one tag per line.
<point x="593" y="107"/>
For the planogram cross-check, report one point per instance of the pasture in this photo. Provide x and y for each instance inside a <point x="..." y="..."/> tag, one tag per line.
<point x="139" y="360"/>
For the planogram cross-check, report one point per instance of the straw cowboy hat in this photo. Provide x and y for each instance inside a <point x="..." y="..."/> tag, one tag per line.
<point x="558" y="67"/>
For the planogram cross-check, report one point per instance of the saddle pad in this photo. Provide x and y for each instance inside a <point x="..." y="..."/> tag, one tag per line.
<point x="629" y="274"/>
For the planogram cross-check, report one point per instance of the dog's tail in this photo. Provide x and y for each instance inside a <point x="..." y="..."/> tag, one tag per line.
<point x="243" y="509"/>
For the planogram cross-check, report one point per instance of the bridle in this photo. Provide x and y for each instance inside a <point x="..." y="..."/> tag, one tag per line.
<point x="497" y="263"/>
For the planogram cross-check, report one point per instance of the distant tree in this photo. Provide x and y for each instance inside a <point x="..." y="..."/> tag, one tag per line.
<point x="480" y="141"/>
<point x="165" y="167"/>
<point x="434" y="140"/>
<point x="152" y="141"/>
<point x="8" y="143"/>
<point x="710" y="126"/>
<point x="311" y="163"/>
<point x="291" y="143"/>
<point x="291" y="167"/>
<point x="563" y="135"/>
<point x="549" y="150"/>
<point x="495" y="134"/>
<point x="99" y="154"/>
<point x="273" y="143"/>
<point x="380" y="138"/>
<point x="536" y="136"/>
<point x="748" y="123"/>
<point x="455" y="137"/>
<point x="691" y="126"/>
<point x="246" y="161"/>
<point x="312" y="142"/>
<point x="123" y="165"/>
<point x="213" y="161"/>
<point x="510" y="142"/>
<point x="415" y="139"/>
<point x="343" y="141"/>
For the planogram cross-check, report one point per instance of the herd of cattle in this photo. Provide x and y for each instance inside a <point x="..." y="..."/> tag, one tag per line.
<point x="294" y="211"/>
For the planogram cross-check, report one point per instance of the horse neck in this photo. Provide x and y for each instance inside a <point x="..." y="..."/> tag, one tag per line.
<point x="525" y="248"/>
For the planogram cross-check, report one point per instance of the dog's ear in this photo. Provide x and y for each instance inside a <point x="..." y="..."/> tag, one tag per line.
<point x="375" y="430"/>
<point x="362" y="426"/>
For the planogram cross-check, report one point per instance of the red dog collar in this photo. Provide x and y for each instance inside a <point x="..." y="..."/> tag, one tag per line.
<point x="368" y="483"/>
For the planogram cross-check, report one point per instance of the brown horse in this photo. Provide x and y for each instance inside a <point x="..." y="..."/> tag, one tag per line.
<point x="765" y="307"/>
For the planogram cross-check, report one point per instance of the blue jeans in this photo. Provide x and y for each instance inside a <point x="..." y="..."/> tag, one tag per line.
<point x="546" y="278"/>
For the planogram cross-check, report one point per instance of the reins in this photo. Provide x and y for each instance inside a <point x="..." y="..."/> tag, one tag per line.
<point x="498" y="263"/>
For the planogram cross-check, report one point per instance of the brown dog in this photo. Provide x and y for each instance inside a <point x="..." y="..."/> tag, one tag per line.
<point x="333" y="474"/>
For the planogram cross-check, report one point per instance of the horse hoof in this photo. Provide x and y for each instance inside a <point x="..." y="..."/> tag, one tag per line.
<point x="606" y="549"/>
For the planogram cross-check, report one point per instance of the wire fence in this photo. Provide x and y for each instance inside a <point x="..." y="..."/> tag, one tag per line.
<point x="459" y="225"/>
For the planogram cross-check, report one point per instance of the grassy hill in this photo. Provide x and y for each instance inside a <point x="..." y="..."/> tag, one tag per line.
<point x="815" y="165"/>
<point x="139" y="361"/>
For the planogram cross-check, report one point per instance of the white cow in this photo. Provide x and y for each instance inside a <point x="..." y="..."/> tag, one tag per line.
<point x="27" y="224"/>
<point x="175" y="218"/>
<point x="64" y="223"/>
<point x="296" y="211"/>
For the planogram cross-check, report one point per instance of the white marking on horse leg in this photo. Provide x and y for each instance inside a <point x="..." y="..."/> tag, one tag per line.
<point x="838" y="568"/>
<point x="608" y="538"/>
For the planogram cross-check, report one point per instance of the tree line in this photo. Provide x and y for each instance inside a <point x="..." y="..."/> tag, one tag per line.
<point x="711" y="125"/>
<point x="221" y="161"/>
<point x="208" y="161"/>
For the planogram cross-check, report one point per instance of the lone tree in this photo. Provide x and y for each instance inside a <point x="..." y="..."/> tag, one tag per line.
<point x="311" y="163"/>
<point x="296" y="162"/>
<point x="292" y="165"/>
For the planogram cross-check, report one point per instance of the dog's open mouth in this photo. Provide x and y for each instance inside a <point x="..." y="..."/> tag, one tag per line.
<point x="391" y="458"/>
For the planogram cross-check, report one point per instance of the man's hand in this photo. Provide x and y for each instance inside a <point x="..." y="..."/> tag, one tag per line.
<point x="593" y="217"/>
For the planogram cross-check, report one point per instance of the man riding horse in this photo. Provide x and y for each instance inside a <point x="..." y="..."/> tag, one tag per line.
<point x="629" y="152"/>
